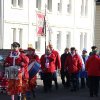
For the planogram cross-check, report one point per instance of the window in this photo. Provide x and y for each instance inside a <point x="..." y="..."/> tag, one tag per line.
<point x="49" y="5"/>
<point x="37" y="44"/>
<point x="68" y="40"/>
<point x="59" y="40"/>
<point x="20" y="3"/>
<point x="38" y="4"/>
<point x="14" y="34"/>
<point x="84" y="8"/>
<point x="17" y="3"/>
<point x="68" y="6"/>
<point x="14" y="3"/>
<point x="60" y="6"/>
<point x="20" y="35"/>
<point x="83" y="40"/>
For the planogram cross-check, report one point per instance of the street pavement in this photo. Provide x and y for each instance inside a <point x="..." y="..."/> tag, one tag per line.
<point x="60" y="94"/>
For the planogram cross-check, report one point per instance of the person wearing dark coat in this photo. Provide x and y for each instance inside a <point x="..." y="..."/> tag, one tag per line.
<point x="93" y="48"/>
<point x="65" y="77"/>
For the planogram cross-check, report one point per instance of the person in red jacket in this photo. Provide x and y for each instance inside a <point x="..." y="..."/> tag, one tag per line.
<point x="48" y="68"/>
<point x="17" y="82"/>
<point x="57" y="61"/>
<point x="93" y="71"/>
<point x="32" y="80"/>
<point x="73" y="64"/>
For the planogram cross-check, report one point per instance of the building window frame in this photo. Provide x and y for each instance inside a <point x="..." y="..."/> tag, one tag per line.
<point x="84" y="7"/>
<point x="17" y="3"/>
<point x="20" y="36"/>
<point x="14" y="34"/>
<point x="49" y="5"/>
<point x="68" y="38"/>
<point x="38" y="4"/>
<point x="59" y="40"/>
<point x="59" y="5"/>
<point x="69" y="6"/>
<point x="83" y="40"/>
<point x="37" y="43"/>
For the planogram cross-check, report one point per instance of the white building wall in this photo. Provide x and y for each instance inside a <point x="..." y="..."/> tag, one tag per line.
<point x="15" y="17"/>
<point x="73" y="23"/>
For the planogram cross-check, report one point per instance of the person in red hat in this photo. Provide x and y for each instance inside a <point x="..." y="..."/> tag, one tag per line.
<point x="32" y="81"/>
<point x="18" y="75"/>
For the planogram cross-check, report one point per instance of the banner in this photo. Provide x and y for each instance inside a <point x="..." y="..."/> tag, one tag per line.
<point x="40" y="24"/>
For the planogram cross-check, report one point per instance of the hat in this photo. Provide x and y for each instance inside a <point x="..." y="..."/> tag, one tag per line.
<point x="93" y="47"/>
<point x="84" y="50"/>
<point x="15" y="44"/>
<point x="31" y="49"/>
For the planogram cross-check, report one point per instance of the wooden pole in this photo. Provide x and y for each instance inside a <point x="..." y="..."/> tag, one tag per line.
<point x="45" y="27"/>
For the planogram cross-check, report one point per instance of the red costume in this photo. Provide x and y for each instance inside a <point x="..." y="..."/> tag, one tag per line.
<point x="19" y="85"/>
<point x="51" y="67"/>
<point x="93" y="65"/>
<point x="32" y="57"/>
<point x="73" y="63"/>
<point x="57" y="59"/>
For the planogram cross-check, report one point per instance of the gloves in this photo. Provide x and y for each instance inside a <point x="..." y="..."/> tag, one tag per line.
<point x="6" y="64"/>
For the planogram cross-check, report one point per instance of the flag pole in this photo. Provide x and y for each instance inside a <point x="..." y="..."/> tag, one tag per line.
<point x="45" y="27"/>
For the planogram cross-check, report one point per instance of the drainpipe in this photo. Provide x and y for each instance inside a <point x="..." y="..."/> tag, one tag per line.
<point x="2" y="24"/>
<point x="94" y="22"/>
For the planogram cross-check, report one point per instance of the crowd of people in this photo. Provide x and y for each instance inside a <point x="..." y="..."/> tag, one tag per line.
<point x="76" y="71"/>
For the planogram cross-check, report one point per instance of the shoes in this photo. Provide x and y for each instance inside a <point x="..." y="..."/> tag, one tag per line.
<point x="57" y="87"/>
<point x="19" y="98"/>
<point x="73" y="90"/>
<point x="96" y="95"/>
<point x="91" y="95"/>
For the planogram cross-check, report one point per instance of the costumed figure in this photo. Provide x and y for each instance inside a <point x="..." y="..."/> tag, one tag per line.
<point x="16" y="72"/>
<point x="33" y="69"/>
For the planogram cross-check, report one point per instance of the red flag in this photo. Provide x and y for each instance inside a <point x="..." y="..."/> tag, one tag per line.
<point x="40" y="24"/>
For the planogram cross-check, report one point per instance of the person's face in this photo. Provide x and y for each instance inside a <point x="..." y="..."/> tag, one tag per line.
<point x="30" y="52"/>
<point x="51" y="47"/>
<point x="73" y="51"/>
<point x="15" y="48"/>
<point x="84" y="52"/>
<point x="67" y="50"/>
<point x="48" y="51"/>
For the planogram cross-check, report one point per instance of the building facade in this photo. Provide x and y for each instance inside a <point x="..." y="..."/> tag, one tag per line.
<point x="97" y="24"/>
<point x="69" y="23"/>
